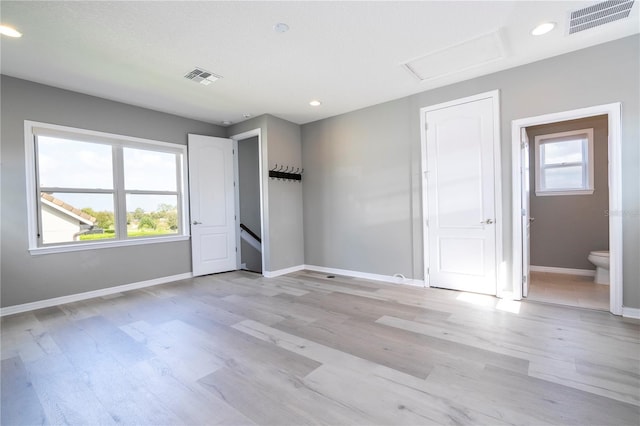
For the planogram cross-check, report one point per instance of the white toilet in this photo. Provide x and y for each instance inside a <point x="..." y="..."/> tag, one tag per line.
<point x="601" y="260"/>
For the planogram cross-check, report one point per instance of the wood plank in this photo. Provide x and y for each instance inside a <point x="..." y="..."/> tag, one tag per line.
<point x="237" y="348"/>
<point x="20" y="403"/>
<point x="109" y="380"/>
<point x="66" y="395"/>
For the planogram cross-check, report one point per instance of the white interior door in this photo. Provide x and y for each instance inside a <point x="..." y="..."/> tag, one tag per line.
<point x="212" y="204"/>
<point x="526" y="217"/>
<point x="460" y="182"/>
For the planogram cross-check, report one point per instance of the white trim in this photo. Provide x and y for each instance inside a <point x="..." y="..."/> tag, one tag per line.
<point x="547" y="193"/>
<point x="615" y="194"/>
<point x="567" y="271"/>
<point x="367" y="276"/>
<point x="236" y="196"/>
<point x="25" y="307"/>
<point x="279" y="272"/>
<point x="94" y="136"/>
<point x="107" y="244"/>
<point x="630" y="312"/>
<point x="494" y="95"/>
<point x="250" y="240"/>
<point x="263" y="167"/>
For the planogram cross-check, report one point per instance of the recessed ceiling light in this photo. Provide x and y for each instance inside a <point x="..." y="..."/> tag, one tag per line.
<point x="281" y="27"/>
<point x="246" y="115"/>
<point x="543" y="28"/>
<point x="315" y="103"/>
<point x="9" y="31"/>
<point x="226" y="122"/>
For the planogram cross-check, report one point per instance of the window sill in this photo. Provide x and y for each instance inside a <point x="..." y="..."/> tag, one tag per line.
<point x="105" y="245"/>
<point x="565" y="192"/>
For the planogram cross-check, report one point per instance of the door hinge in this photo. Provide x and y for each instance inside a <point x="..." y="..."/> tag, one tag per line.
<point x="426" y="125"/>
<point x="426" y="223"/>
<point x="428" y="271"/>
<point x="524" y="279"/>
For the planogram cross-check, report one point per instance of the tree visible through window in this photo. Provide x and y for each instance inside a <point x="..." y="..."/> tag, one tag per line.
<point x="105" y="188"/>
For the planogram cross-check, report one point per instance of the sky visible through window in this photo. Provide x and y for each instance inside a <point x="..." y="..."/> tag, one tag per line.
<point x="563" y="152"/>
<point x="559" y="153"/>
<point x="66" y="163"/>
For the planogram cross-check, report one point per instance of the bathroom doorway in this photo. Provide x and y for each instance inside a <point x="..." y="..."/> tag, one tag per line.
<point x="568" y="206"/>
<point x="568" y="167"/>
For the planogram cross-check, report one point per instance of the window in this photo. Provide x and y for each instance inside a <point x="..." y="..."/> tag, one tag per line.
<point x="91" y="189"/>
<point x="564" y="163"/>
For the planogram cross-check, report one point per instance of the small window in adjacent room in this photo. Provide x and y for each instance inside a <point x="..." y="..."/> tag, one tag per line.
<point x="564" y="163"/>
<point x="91" y="189"/>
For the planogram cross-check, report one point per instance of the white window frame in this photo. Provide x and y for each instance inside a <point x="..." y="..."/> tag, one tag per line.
<point x="33" y="128"/>
<point x="587" y="164"/>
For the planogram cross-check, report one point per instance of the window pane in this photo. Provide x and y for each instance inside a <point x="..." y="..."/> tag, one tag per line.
<point x="76" y="217"/>
<point x="563" y="152"/>
<point x="151" y="215"/>
<point x="563" y="178"/>
<point x="64" y="163"/>
<point x="149" y="170"/>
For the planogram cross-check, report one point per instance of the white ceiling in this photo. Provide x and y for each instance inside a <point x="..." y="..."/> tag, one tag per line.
<point x="347" y="54"/>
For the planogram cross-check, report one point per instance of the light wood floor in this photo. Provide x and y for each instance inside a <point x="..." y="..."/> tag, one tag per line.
<point x="303" y="349"/>
<point x="571" y="290"/>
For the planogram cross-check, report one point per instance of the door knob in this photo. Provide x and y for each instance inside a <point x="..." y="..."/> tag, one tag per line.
<point x="532" y="219"/>
<point x="195" y="222"/>
<point x="487" y="222"/>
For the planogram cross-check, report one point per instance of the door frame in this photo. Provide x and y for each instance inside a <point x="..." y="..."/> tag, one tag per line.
<point x="494" y="95"/>
<point x="613" y="112"/>
<point x="264" y="217"/>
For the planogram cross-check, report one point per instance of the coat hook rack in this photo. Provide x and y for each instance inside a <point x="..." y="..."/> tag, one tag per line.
<point x="290" y="173"/>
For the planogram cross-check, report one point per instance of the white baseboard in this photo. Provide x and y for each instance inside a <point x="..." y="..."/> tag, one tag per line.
<point x="630" y="312"/>
<point x="273" y="274"/>
<point x="16" y="309"/>
<point x="367" y="276"/>
<point x="568" y="271"/>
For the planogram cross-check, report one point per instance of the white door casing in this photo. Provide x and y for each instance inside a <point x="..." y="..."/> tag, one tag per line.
<point x="525" y="205"/>
<point x="212" y="204"/>
<point x="519" y="235"/>
<point x="461" y="169"/>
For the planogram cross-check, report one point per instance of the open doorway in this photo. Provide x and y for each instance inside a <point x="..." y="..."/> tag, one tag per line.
<point x="522" y="212"/>
<point x="249" y="190"/>
<point x="568" y="205"/>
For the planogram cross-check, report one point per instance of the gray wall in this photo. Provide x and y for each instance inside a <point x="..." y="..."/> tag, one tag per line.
<point x="357" y="190"/>
<point x="568" y="227"/>
<point x="357" y="141"/>
<point x="281" y="144"/>
<point x="26" y="278"/>
<point x="249" y="199"/>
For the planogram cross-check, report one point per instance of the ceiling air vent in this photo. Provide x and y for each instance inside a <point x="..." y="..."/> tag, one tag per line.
<point x="201" y="76"/>
<point x="599" y="14"/>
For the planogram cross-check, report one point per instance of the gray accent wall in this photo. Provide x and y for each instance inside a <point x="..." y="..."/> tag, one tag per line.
<point x="350" y="158"/>
<point x="568" y="227"/>
<point x="357" y="191"/>
<point x="28" y="278"/>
